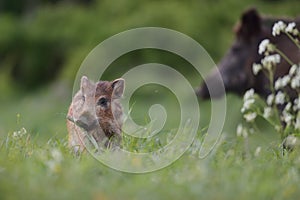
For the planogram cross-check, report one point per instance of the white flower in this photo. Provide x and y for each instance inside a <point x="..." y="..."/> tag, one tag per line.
<point x="293" y="70"/>
<point x="247" y="104"/>
<point x="278" y="84"/>
<point x="54" y="164"/>
<point x="250" y="116"/>
<point x="257" y="151"/>
<point x="288" y="106"/>
<point x="249" y="94"/>
<point x="19" y="134"/>
<point x="282" y="82"/>
<point x="275" y="58"/>
<point x="280" y="98"/>
<point x="267" y="112"/>
<point x="239" y="130"/>
<point x="287" y="117"/>
<point x="269" y="61"/>
<point x="56" y="155"/>
<point x="278" y="27"/>
<point x="291" y="28"/>
<point x="296" y="105"/>
<point x="245" y="133"/>
<point x="285" y="80"/>
<point x="295" y="82"/>
<point x="270" y="99"/>
<point x="265" y="47"/>
<point x="290" y="141"/>
<point x="248" y="100"/>
<point x="256" y="68"/>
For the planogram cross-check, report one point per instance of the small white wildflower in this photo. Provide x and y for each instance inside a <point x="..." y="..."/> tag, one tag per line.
<point x="278" y="27"/>
<point x="290" y="141"/>
<point x="287" y="117"/>
<point x="285" y="80"/>
<point x="282" y="82"/>
<point x="56" y="155"/>
<point x="250" y="117"/>
<point x="249" y="94"/>
<point x="280" y="98"/>
<point x="257" y="151"/>
<point x="275" y="58"/>
<point x="20" y="133"/>
<point x="291" y="28"/>
<point x="265" y="47"/>
<point x="288" y="106"/>
<point x="295" y="82"/>
<point x="293" y="70"/>
<point x="278" y="84"/>
<point x="52" y="165"/>
<point x="296" y="104"/>
<point x="15" y="134"/>
<point x="247" y="104"/>
<point x="256" y="68"/>
<point x="269" y="61"/>
<point x="245" y="133"/>
<point x="239" y="130"/>
<point x="270" y="99"/>
<point x="267" y="112"/>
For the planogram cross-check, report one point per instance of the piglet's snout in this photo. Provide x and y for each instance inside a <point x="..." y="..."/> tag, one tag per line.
<point x="87" y="121"/>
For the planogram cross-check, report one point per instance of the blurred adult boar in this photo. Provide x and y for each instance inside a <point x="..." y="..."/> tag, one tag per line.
<point x="236" y="66"/>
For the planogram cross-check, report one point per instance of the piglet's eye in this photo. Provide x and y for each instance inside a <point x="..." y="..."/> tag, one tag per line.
<point x="102" y="102"/>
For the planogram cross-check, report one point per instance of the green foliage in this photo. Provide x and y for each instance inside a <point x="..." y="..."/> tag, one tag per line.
<point x="52" y="39"/>
<point x="29" y="169"/>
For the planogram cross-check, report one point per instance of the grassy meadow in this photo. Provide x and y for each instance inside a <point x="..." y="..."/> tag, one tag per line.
<point x="41" y="49"/>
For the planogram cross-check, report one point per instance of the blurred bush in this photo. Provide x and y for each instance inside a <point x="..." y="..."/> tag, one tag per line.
<point x="44" y="40"/>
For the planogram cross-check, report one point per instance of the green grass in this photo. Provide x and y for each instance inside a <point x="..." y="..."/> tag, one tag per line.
<point x="33" y="170"/>
<point x="39" y="164"/>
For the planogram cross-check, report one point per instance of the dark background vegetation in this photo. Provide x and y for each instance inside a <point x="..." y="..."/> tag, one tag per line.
<point x="42" y="44"/>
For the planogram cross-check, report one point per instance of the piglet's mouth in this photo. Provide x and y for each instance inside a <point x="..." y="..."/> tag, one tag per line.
<point x="86" y="127"/>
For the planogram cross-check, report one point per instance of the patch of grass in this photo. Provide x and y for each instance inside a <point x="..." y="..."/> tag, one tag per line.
<point x="49" y="170"/>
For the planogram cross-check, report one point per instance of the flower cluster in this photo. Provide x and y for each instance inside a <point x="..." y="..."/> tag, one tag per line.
<point x="265" y="47"/>
<point x="20" y="133"/>
<point x="281" y="108"/>
<point x="281" y="27"/>
<point x="267" y="63"/>
<point x="249" y="100"/>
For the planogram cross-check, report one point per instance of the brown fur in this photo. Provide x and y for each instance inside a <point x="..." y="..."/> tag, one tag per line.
<point x="95" y="112"/>
<point x="236" y="66"/>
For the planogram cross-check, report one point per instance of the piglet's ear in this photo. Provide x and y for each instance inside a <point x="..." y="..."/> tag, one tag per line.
<point x="84" y="83"/>
<point x="250" y="23"/>
<point x="118" y="86"/>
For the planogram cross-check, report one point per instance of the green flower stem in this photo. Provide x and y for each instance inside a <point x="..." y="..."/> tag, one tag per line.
<point x="274" y="107"/>
<point x="284" y="56"/>
<point x="293" y="39"/>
